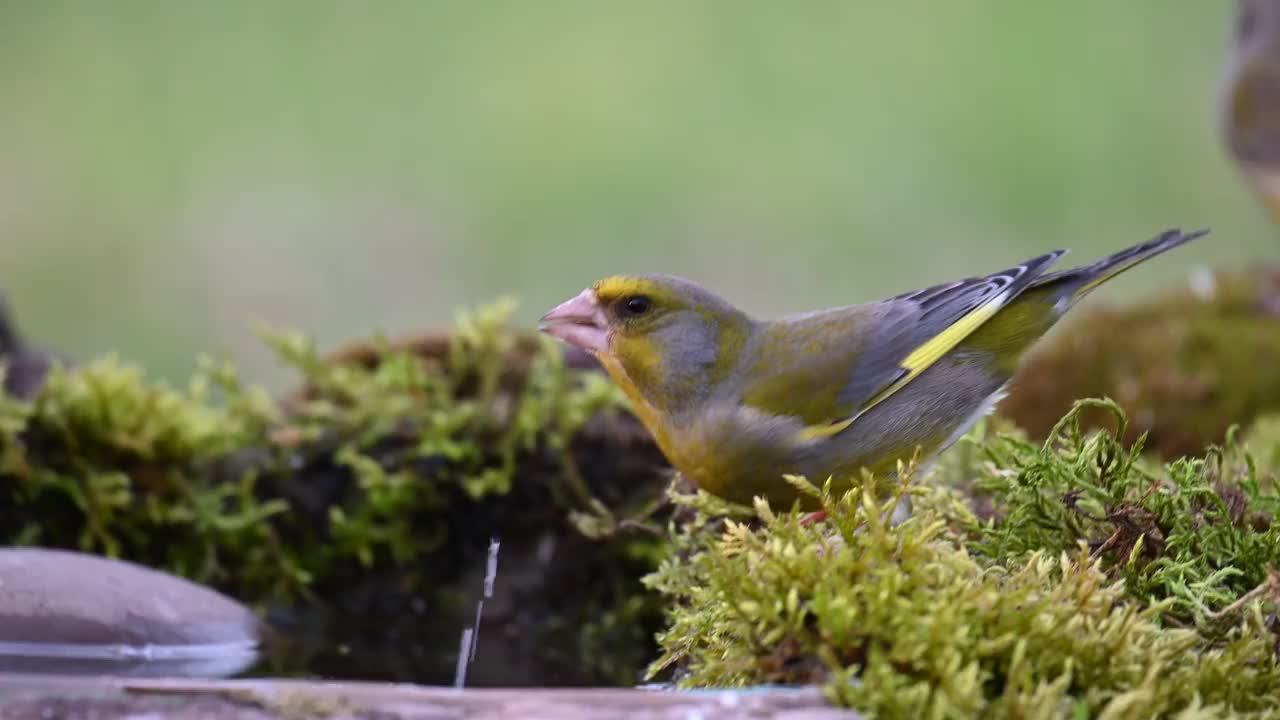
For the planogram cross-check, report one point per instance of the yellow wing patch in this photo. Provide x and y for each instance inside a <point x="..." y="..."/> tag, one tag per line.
<point x="819" y="432"/>
<point x="942" y="343"/>
<point x="915" y="363"/>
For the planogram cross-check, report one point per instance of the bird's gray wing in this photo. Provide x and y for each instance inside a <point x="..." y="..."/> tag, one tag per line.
<point x="918" y="328"/>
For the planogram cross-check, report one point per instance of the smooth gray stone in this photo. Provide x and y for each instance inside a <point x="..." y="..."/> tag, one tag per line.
<point x="72" y="612"/>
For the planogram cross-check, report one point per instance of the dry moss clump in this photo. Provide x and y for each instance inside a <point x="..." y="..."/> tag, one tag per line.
<point x="1185" y="365"/>
<point x="1100" y="584"/>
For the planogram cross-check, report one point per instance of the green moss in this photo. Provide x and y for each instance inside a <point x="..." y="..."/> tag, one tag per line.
<point x="1099" y="585"/>
<point x="1198" y="532"/>
<point x="105" y="461"/>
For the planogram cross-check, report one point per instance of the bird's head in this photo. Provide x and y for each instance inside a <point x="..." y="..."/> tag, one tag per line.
<point x="667" y="336"/>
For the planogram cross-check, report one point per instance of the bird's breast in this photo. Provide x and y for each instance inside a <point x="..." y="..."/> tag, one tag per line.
<point x="738" y="452"/>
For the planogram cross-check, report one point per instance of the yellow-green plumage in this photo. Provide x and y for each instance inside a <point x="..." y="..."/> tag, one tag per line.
<point x="736" y="402"/>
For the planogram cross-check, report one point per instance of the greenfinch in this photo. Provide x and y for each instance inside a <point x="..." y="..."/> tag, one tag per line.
<point x="1249" y="97"/>
<point x="735" y="403"/>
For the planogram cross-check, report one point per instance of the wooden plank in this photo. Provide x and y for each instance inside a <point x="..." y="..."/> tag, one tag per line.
<point x="45" y="696"/>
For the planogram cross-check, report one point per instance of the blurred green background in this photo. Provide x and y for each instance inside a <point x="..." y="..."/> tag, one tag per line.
<point x="171" y="172"/>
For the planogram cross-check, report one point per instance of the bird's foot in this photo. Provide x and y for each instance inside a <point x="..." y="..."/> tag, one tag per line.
<point x="812" y="518"/>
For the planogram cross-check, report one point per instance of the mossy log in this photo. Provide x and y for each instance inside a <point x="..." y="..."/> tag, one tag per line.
<point x="357" y="512"/>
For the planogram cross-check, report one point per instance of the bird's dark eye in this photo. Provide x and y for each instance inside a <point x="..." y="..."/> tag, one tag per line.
<point x="638" y="305"/>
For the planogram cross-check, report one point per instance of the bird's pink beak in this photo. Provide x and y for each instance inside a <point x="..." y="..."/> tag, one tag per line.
<point x="579" y="322"/>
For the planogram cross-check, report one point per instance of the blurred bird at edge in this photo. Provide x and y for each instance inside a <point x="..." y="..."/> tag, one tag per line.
<point x="1250" y="97"/>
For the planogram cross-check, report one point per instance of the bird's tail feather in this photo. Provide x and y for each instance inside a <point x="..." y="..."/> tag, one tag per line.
<point x="1075" y="283"/>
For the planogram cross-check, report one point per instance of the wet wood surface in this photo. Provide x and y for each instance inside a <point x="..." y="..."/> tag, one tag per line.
<point x="46" y="697"/>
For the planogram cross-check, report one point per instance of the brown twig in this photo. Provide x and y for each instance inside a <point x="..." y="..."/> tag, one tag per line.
<point x="1269" y="586"/>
